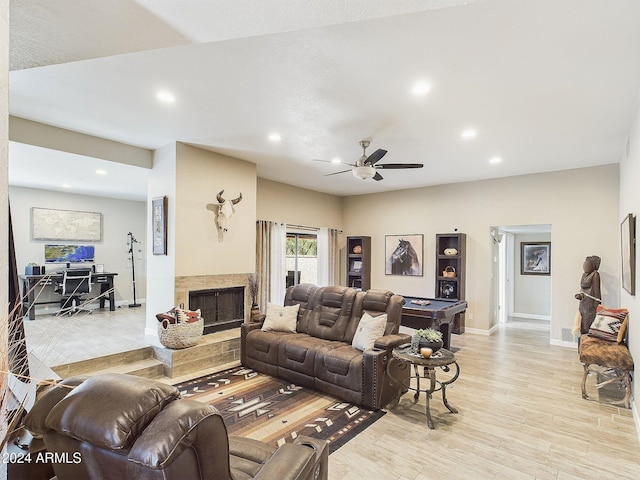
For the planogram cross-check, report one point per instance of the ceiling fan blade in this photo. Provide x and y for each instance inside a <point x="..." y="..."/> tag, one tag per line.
<point x="375" y="156"/>
<point x="398" y="166"/>
<point x="336" y="173"/>
<point x="378" y="177"/>
<point x="331" y="161"/>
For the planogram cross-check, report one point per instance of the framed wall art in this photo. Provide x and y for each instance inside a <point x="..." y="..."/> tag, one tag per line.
<point x="68" y="225"/>
<point x="159" y="221"/>
<point x="628" y="244"/>
<point x="535" y="258"/>
<point x="403" y="254"/>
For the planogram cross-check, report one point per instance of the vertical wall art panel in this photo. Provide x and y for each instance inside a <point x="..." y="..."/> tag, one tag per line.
<point x="159" y="212"/>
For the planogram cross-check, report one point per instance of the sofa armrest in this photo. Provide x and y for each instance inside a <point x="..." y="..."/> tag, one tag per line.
<point x="321" y="448"/>
<point x="250" y="326"/>
<point x="389" y="342"/>
<point x="289" y="462"/>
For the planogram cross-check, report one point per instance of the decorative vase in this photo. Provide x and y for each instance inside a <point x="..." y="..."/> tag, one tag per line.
<point x="255" y="311"/>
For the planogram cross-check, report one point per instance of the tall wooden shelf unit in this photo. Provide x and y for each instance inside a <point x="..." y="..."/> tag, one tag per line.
<point x="451" y="287"/>
<point x="359" y="264"/>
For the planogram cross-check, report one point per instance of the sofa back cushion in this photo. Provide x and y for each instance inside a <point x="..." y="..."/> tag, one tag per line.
<point x="301" y="295"/>
<point x="376" y="302"/>
<point x="332" y="307"/>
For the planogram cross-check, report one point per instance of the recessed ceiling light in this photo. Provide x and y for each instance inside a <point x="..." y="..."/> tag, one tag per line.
<point x="275" y="137"/>
<point x="335" y="160"/>
<point x="101" y="172"/>
<point x="165" y="96"/>
<point x="495" y="160"/>
<point x="65" y="185"/>
<point x="420" y="88"/>
<point x="469" y="133"/>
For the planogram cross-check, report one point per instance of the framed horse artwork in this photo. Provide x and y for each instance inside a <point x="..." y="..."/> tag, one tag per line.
<point x="404" y="254"/>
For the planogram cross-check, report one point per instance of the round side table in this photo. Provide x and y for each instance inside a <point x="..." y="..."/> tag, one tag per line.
<point x="441" y="359"/>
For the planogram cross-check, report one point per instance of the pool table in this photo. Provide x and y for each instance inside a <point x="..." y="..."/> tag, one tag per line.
<point x="439" y="313"/>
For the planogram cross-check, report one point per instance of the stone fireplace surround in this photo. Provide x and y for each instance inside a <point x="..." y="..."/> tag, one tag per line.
<point x="185" y="284"/>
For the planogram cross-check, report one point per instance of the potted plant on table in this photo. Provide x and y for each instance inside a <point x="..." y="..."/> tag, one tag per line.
<point x="426" y="338"/>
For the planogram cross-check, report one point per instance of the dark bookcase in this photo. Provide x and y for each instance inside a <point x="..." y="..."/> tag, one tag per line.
<point x="448" y="286"/>
<point x="359" y="264"/>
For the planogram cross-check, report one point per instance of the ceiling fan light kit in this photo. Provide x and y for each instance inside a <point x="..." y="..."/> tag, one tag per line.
<point x="364" y="172"/>
<point x="367" y="167"/>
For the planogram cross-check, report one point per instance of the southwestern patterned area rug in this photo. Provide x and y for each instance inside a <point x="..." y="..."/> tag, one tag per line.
<point x="275" y="411"/>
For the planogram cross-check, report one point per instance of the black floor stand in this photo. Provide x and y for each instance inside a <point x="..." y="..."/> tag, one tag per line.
<point x="132" y="240"/>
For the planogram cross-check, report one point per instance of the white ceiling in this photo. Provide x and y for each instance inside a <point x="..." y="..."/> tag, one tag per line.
<point x="548" y="85"/>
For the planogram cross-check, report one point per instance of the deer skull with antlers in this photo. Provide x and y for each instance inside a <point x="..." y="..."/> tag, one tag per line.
<point x="225" y="211"/>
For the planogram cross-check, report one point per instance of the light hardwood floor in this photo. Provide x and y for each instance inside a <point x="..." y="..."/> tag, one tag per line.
<point x="521" y="416"/>
<point x="521" y="412"/>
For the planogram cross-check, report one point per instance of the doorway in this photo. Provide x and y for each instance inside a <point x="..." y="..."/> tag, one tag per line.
<point x="521" y="299"/>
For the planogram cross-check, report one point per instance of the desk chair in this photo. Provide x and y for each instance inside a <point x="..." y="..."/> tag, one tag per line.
<point x="76" y="282"/>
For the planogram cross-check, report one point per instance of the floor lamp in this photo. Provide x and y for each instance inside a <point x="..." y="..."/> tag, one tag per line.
<point x="133" y="240"/>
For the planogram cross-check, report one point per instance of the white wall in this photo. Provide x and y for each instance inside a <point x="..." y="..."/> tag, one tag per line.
<point x="118" y="218"/>
<point x="581" y="205"/>
<point x="161" y="269"/>
<point x="4" y="165"/>
<point x="531" y="293"/>
<point x="630" y="203"/>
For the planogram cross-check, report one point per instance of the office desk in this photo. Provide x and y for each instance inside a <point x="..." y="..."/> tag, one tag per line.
<point x="440" y="314"/>
<point x="32" y="284"/>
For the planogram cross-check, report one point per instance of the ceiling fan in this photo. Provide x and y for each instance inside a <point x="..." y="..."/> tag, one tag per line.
<point x="368" y="166"/>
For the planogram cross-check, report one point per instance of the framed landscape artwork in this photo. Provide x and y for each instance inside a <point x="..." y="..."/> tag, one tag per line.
<point x="403" y="254"/>
<point x="159" y="212"/>
<point x="535" y="258"/>
<point x="628" y="244"/>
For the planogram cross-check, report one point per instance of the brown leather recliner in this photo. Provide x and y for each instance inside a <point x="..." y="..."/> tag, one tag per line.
<point x="117" y="426"/>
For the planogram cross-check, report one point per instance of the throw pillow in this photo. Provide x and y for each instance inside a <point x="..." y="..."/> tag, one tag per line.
<point x="166" y="316"/>
<point x="187" y="316"/>
<point x="369" y="329"/>
<point x="281" y="319"/>
<point x="608" y="323"/>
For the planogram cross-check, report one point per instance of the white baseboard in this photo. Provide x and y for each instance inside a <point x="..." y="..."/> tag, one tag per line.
<point x="532" y="316"/>
<point x="563" y="343"/>
<point x="636" y="417"/>
<point x="481" y="331"/>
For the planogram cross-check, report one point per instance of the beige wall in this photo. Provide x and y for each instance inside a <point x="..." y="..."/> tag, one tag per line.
<point x="46" y="136"/>
<point x="200" y="175"/>
<point x="118" y="218"/>
<point x="630" y="203"/>
<point x="279" y="202"/>
<point x="580" y="205"/>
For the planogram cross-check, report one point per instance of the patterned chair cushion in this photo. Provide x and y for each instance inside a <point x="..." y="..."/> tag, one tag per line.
<point x="595" y="351"/>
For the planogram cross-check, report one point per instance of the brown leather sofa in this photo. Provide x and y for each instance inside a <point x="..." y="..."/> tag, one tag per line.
<point x="319" y="355"/>
<point x="117" y="426"/>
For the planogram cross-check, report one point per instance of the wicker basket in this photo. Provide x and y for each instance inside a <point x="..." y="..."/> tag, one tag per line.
<point x="180" y="335"/>
<point x="449" y="272"/>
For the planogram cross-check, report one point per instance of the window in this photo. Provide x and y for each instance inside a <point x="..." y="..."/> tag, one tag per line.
<point x="302" y="258"/>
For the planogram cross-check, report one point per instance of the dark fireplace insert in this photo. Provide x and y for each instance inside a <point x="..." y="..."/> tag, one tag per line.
<point x="221" y="308"/>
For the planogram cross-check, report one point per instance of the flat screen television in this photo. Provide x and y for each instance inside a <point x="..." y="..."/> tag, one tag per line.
<point x="69" y="253"/>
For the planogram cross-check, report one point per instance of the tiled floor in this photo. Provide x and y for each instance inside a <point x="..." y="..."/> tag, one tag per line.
<point x="59" y="340"/>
